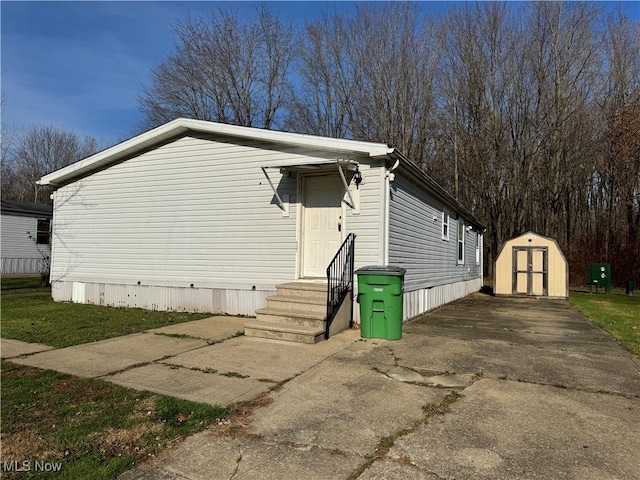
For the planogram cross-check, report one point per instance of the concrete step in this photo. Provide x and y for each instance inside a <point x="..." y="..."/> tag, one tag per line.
<point x="308" y="290"/>
<point x="297" y="304"/>
<point x="277" y="331"/>
<point x="290" y="317"/>
<point x="296" y="313"/>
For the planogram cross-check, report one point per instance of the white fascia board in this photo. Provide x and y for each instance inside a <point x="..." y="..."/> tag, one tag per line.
<point x="287" y="138"/>
<point x="182" y="125"/>
<point x="114" y="153"/>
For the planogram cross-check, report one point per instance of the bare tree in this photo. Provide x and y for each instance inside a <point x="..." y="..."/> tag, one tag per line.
<point x="482" y="152"/>
<point x="38" y="151"/>
<point x="329" y="83"/>
<point x="223" y="70"/>
<point x="395" y="57"/>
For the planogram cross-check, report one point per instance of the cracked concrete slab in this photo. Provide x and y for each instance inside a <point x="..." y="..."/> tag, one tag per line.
<point x="396" y="470"/>
<point x="502" y="429"/>
<point x="15" y="348"/>
<point x="348" y="407"/>
<point x="405" y="375"/>
<point x="263" y="359"/>
<point x="339" y="406"/>
<point x="197" y="386"/>
<point x="497" y="429"/>
<point x="450" y="381"/>
<point x="108" y="356"/>
<point x="213" y="329"/>
<point x="206" y="456"/>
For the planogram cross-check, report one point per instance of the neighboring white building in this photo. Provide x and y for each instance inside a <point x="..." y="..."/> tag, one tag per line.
<point x="25" y="231"/>
<point x="203" y="216"/>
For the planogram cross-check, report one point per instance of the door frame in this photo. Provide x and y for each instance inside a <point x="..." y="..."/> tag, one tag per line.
<point x="530" y="272"/>
<point x="302" y="179"/>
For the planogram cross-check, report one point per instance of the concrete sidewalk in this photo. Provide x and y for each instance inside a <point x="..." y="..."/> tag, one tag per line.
<point x="542" y="393"/>
<point x="203" y="361"/>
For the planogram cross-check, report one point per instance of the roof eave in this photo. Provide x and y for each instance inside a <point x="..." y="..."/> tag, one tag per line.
<point x="442" y="195"/>
<point x="182" y="125"/>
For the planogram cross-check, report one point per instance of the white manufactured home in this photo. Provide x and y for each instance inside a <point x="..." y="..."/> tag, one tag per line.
<point x="25" y="238"/>
<point x="202" y="216"/>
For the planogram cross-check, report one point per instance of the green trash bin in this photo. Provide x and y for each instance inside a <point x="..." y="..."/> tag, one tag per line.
<point x="380" y="290"/>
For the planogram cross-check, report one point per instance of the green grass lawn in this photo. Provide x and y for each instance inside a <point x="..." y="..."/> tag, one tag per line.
<point x="38" y="319"/>
<point x="88" y="428"/>
<point x="617" y="313"/>
<point x="13" y="285"/>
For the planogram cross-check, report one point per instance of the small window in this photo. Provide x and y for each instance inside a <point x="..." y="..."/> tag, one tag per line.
<point x="460" y="242"/>
<point x="445" y="226"/>
<point x="42" y="237"/>
<point x="478" y="248"/>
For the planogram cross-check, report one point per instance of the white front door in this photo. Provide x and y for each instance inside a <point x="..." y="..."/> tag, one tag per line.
<point x="322" y="223"/>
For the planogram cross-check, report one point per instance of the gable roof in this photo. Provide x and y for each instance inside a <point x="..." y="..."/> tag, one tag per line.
<point x="26" y="209"/>
<point x="182" y="126"/>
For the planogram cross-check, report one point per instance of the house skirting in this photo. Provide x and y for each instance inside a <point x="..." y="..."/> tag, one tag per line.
<point x="163" y="298"/>
<point x="230" y="301"/>
<point x="22" y="265"/>
<point x="423" y="300"/>
<point x="426" y="299"/>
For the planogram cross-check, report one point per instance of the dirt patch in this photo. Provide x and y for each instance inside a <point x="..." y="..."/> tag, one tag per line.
<point x="8" y="371"/>
<point x="131" y="441"/>
<point x="144" y="408"/>
<point x="25" y="445"/>
<point x="238" y="422"/>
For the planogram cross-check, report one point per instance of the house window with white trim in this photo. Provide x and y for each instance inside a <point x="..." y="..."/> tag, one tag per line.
<point x="42" y="232"/>
<point x="478" y="248"/>
<point x="445" y="226"/>
<point x="460" y="242"/>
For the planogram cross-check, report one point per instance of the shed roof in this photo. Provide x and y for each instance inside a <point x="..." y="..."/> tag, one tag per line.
<point x="183" y="126"/>
<point x="531" y="234"/>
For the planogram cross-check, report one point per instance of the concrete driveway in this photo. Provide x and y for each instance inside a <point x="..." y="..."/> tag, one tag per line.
<point x="541" y="393"/>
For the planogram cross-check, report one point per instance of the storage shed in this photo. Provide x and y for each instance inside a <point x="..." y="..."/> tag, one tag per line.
<point x="531" y="264"/>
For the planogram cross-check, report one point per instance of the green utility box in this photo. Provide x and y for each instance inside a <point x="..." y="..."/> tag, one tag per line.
<point x="380" y="290"/>
<point x="600" y="276"/>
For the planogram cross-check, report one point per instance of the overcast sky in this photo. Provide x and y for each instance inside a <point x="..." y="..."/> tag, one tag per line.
<point x="80" y="66"/>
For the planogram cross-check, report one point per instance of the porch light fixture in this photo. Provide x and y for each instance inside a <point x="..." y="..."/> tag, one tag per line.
<point x="357" y="177"/>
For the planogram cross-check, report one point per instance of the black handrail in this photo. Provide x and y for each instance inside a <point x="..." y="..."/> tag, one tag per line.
<point x="339" y="279"/>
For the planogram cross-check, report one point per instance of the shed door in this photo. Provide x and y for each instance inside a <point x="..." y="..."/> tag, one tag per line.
<point x="322" y="223"/>
<point x="530" y="271"/>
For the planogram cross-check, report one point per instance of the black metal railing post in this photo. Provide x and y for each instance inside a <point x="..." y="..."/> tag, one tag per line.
<point x="339" y="279"/>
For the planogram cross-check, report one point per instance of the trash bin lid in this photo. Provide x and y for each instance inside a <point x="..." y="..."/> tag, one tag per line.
<point x="382" y="270"/>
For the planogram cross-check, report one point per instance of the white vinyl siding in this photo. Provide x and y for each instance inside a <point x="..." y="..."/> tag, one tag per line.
<point x="195" y="211"/>
<point x="415" y="239"/>
<point x="21" y="254"/>
<point x="368" y="224"/>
